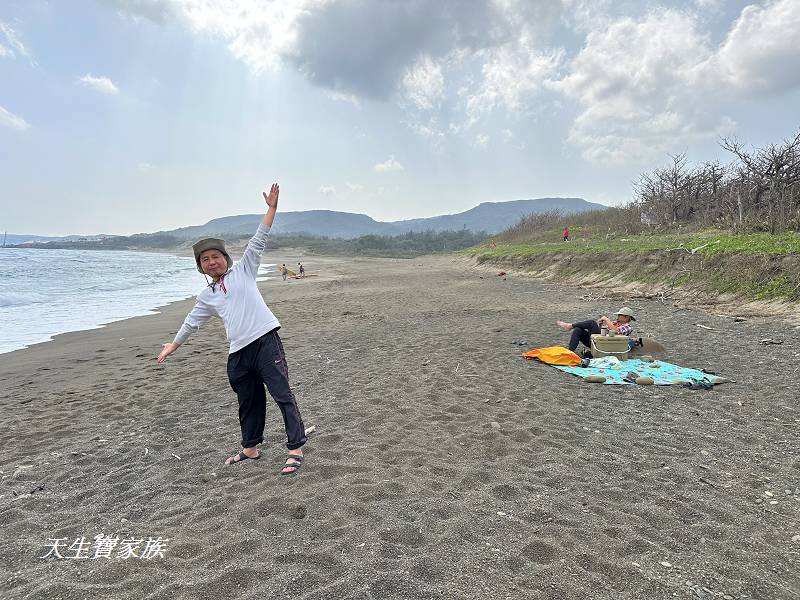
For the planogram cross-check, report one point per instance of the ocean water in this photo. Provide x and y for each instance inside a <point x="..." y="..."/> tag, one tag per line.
<point x="47" y="292"/>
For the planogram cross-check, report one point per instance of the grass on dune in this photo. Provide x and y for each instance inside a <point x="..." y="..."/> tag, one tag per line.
<point x="708" y="243"/>
<point x="749" y="265"/>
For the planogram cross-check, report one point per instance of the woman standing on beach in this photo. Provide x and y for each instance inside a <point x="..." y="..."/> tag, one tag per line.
<point x="256" y="356"/>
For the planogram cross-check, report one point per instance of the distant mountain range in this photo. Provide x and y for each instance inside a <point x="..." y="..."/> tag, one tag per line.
<point x="490" y="217"/>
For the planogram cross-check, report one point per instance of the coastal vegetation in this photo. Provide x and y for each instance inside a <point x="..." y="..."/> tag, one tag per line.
<point x="723" y="228"/>
<point x="406" y="245"/>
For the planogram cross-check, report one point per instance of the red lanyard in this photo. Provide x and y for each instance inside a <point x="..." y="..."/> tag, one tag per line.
<point x="222" y="284"/>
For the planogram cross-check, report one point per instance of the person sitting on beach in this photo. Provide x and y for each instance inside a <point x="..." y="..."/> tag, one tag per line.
<point x="256" y="355"/>
<point x="582" y="330"/>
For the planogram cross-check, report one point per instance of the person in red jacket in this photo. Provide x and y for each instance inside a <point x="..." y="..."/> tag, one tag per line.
<point x="566" y="234"/>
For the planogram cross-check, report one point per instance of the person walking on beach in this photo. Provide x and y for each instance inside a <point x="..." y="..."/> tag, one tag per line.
<point x="256" y="357"/>
<point x="284" y="271"/>
<point x="302" y="270"/>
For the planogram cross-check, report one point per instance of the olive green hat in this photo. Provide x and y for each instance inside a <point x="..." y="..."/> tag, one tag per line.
<point x="210" y="244"/>
<point x="627" y="311"/>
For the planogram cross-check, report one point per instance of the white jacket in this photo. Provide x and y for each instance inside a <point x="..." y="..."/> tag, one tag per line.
<point x="236" y="300"/>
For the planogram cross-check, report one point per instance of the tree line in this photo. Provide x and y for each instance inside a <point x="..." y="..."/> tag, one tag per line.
<point x="758" y="190"/>
<point x="406" y="245"/>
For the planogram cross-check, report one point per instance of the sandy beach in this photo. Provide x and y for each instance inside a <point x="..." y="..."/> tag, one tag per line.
<point x="442" y="464"/>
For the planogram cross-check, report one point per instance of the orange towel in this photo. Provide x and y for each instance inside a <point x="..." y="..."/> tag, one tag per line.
<point x="554" y="355"/>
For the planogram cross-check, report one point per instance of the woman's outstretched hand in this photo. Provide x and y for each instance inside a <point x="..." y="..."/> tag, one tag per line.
<point x="167" y="350"/>
<point x="272" y="198"/>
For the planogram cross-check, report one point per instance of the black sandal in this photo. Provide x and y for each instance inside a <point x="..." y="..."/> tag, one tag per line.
<point x="242" y="457"/>
<point x="298" y="458"/>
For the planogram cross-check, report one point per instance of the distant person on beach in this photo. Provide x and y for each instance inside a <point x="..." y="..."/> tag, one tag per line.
<point x="284" y="271"/>
<point x="566" y="234"/>
<point x="582" y="330"/>
<point x="302" y="270"/>
<point x="256" y="356"/>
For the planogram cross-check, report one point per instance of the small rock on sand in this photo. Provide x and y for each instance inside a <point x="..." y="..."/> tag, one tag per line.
<point x="494" y="425"/>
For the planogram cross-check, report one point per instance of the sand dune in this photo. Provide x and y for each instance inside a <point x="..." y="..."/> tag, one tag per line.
<point x="442" y="465"/>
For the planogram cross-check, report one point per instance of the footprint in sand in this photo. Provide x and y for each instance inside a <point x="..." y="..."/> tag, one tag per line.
<point x="539" y="552"/>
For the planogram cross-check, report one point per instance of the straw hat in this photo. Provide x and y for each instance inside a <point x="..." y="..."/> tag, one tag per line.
<point x="627" y="311"/>
<point x="210" y="244"/>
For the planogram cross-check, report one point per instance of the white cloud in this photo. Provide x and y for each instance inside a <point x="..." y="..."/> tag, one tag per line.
<point x="512" y="74"/>
<point x="631" y="80"/>
<point x="761" y="53"/>
<point x="646" y="79"/>
<point x="423" y="84"/>
<point x="384" y="49"/>
<point x="260" y="33"/>
<point x="388" y="166"/>
<point x="145" y="167"/>
<point x="430" y="130"/>
<point x="158" y="11"/>
<point x="368" y="48"/>
<point x="481" y="140"/>
<point x="9" y="119"/>
<point x="709" y="5"/>
<point x="354" y="187"/>
<point x="586" y="15"/>
<point x="13" y="45"/>
<point x="343" y="97"/>
<point x="99" y="84"/>
<point x="646" y="86"/>
<point x="327" y="190"/>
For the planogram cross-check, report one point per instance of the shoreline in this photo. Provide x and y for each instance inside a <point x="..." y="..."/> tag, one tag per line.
<point x="68" y="342"/>
<point x="152" y="312"/>
<point x="138" y="311"/>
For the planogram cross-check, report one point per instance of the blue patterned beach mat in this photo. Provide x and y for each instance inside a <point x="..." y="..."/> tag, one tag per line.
<point x="663" y="373"/>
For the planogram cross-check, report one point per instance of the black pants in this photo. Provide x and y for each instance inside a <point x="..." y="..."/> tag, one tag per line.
<point x="582" y="332"/>
<point x="263" y="362"/>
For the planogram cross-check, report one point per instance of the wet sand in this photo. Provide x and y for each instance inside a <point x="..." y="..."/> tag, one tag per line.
<point x="442" y="464"/>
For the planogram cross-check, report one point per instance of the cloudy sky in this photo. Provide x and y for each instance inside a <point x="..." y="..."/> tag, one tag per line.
<point x="124" y="116"/>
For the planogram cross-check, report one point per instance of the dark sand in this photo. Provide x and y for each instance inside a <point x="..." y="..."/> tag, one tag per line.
<point x="443" y="465"/>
